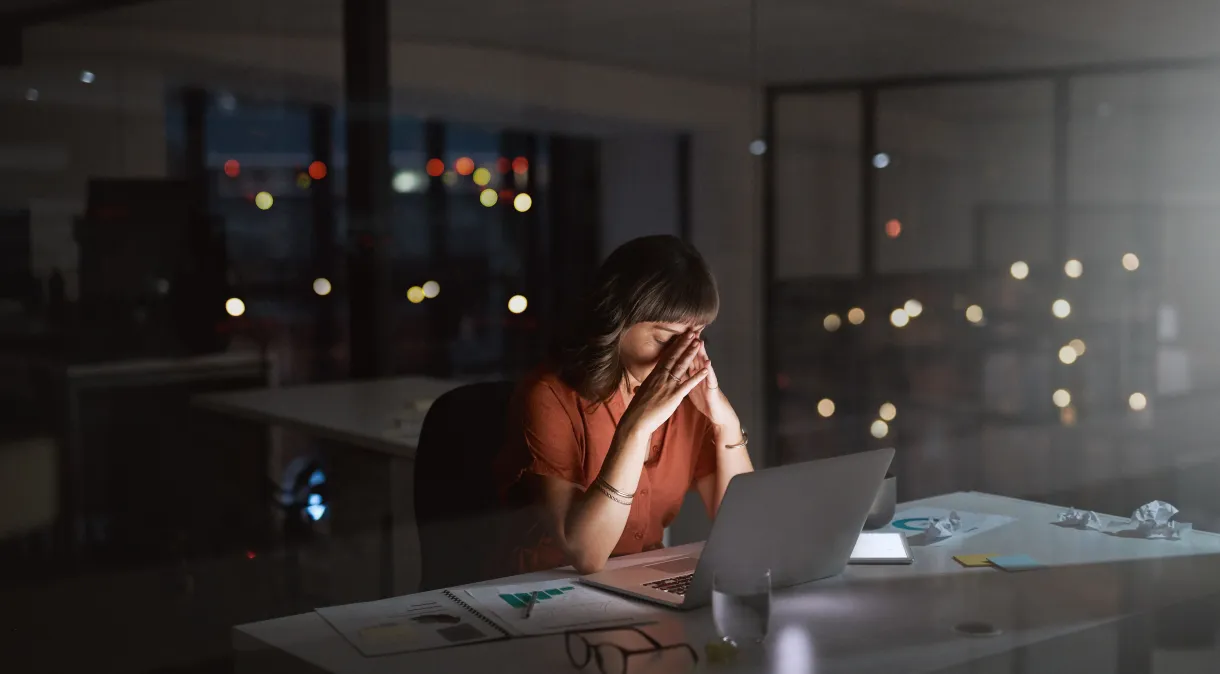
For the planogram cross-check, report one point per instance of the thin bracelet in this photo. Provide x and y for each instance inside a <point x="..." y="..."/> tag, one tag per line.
<point x="609" y="486"/>
<point x="606" y="491"/>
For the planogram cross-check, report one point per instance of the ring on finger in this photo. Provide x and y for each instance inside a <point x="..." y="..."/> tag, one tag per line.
<point x="674" y="377"/>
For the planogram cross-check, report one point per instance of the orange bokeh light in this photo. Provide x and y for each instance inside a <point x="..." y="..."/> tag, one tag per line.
<point x="232" y="168"/>
<point x="521" y="165"/>
<point x="506" y="194"/>
<point x="435" y="167"/>
<point x="317" y="170"/>
<point x="893" y="228"/>
<point x="464" y="166"/>
<point x="503" y="165"/>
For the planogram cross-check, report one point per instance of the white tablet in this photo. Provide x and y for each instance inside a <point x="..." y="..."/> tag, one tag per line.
<point x="881" y="547"/>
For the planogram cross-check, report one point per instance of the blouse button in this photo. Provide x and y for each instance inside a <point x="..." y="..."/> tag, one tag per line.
<point x="639" y="535"/>
<point x="644" y="491"/>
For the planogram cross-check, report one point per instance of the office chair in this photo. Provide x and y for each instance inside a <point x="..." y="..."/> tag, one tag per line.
<point x="457" y="510"/>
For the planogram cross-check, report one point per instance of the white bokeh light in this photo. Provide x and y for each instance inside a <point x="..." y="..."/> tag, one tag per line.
<point x="1061" y="398"/>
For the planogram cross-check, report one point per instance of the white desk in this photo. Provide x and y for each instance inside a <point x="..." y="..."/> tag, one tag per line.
<point x="880" y="619"/>
<point x="358" y="413"/>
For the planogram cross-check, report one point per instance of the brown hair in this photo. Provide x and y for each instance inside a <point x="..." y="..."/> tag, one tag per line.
<point x="650" y="279"/>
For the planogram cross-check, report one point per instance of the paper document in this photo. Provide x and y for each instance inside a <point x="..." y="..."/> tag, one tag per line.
<point x="915" y="521"/>
<point x="412" y="623"/>
<point x="561" y="605"/>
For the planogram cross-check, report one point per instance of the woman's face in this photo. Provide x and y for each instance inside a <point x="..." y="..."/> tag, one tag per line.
<point x="641" y="346"/>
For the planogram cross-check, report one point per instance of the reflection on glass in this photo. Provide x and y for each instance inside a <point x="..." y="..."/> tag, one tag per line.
<point x="1067" y="416"/>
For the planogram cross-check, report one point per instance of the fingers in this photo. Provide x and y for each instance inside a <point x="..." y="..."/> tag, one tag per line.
<point x="674" y="350"/>
<point x="690" y="384"/>
<point x="687" y="357"/>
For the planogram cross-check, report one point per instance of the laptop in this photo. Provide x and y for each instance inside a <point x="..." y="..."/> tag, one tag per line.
<point x="801" y="521"/>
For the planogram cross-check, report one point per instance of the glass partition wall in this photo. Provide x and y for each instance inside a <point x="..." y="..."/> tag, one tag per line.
<point x="1003" y="278"/>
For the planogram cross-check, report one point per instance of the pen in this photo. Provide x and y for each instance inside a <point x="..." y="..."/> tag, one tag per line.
<point x="530" y="606"/>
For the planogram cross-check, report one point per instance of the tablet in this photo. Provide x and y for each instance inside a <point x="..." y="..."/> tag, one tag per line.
<point x="881" y="547"/>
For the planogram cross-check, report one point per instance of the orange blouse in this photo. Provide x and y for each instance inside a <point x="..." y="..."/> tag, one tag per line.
<point x="553" y="431"/>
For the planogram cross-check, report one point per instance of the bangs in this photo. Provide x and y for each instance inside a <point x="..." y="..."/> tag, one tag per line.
<point x="688" y="299"/>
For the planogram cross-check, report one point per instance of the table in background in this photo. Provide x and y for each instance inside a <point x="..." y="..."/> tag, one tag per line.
<point x="381" y="417"/>
<point x="870" y="619"/>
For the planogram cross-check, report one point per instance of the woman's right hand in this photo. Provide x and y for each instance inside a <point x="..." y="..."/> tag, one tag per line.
<point x="664" y="389"/>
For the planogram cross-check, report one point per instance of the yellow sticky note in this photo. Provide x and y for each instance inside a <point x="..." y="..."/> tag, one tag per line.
<point x="972" y="560"/>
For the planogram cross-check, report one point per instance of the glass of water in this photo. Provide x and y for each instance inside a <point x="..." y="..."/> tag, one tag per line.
<point x="741" y="606"/>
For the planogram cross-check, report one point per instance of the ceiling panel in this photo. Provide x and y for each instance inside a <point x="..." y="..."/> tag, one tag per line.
<point x="799" y="40"/>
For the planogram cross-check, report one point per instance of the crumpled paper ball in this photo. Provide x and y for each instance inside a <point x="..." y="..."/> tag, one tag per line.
<point x="943" y="527"/>
<point x="1156" y="513"/>
<point x="1155" y="520"/>
<point x="1080" y="519"/>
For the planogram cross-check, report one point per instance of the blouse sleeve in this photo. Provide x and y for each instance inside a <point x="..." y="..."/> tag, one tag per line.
<point x="549" y="434"/>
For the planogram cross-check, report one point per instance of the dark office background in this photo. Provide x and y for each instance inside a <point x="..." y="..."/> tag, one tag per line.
<point x="201" y="197"/>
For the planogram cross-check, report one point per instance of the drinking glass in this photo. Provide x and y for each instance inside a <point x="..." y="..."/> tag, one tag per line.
<point x="741" y="606"/>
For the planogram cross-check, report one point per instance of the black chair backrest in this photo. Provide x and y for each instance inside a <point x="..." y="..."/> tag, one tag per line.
<point x="457" y="510"/>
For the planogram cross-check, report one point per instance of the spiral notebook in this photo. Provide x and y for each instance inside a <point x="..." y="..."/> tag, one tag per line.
<point x="444" y="618"/>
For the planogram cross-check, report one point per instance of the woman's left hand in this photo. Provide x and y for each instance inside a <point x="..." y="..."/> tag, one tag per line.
<point x="708" y="397"/>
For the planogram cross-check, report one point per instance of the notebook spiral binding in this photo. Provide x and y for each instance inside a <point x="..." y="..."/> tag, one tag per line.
<point x="453" y="597"/>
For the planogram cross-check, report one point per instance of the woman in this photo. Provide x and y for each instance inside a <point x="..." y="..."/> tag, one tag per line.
<point x="625" y="418"/>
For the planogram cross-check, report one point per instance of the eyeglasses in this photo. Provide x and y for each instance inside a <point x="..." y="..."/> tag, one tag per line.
<point x="612" y="658"/>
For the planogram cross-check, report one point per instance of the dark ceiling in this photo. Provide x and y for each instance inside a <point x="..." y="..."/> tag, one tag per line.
<point x="32" y="12"/>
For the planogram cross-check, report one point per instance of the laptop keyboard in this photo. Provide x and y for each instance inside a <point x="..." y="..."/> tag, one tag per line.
<point x="676" y="585"/>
